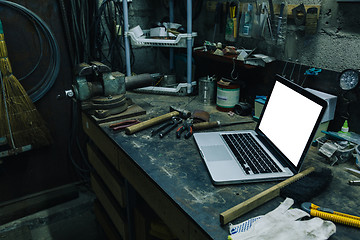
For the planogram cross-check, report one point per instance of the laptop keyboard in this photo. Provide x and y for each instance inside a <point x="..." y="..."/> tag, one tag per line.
<point x="249" y="154"/>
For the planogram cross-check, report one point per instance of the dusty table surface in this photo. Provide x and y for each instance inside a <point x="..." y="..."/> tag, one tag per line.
<point x="175" y="165"/>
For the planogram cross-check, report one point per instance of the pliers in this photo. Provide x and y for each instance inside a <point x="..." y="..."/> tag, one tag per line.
<point x="167" y="127"/>
<point x="123" y="124"/>
<point x="187" y="126"/>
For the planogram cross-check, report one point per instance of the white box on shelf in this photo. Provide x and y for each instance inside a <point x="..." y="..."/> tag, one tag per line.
<point x="331" y="102"/>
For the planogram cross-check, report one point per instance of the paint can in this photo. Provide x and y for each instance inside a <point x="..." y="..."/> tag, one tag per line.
<point x="207" y="90"/>
<point x="228" y="95"/>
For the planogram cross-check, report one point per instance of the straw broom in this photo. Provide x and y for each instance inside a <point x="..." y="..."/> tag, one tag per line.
<point x="20" y="122"/>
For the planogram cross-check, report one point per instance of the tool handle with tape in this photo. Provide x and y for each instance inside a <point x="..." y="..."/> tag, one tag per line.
<point x="260" y="198"/>
<point x="151" y="122"/>
<point x="205" y="125"/>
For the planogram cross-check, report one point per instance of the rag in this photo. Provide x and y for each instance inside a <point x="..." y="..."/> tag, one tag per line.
<point x="284" y="223"/>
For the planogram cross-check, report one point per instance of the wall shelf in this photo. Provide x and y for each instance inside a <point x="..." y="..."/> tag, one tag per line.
<point x="176" y="42"/>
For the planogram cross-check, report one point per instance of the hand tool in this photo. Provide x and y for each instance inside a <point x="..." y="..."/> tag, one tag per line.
<point x="268" y="20"/>
<point x="282" y="6"/>
<point x="355" y="173"/>
<point x="183" y="112"/>
<point x="207" y="125"/>
<point x="187" y="126"/>
<point x="175" y="121"/>
<point x="151" y="122"/>
<point x="123" y="124"/>
<point x="354" y="182"/>
<point x="217" y="18"/>
<point x="260" y="198"/>
<point x="329" y="214"/>
<point x="162" y="127"/>
<point x="271" y="7"/>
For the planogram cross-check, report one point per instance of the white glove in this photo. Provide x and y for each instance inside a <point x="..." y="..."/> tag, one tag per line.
<point x="284" y="223"/>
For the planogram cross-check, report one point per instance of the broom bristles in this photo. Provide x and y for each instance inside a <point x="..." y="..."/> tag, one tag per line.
<point x="27" y="127"/>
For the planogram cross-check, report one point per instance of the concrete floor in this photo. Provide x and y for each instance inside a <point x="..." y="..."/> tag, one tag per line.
<point x="71" y="220"/>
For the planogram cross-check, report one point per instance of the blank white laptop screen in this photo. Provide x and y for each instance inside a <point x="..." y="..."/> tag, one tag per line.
<point x="281" y="120"/>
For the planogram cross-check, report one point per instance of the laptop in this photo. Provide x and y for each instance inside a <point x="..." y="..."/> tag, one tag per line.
<point x="276" y="149"/>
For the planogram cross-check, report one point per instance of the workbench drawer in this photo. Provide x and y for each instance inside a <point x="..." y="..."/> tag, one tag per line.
<point x="112" y="208"/>
<point x="111" y="178"/>
<point x="105" y="222"/>
<point x="101" y="141"/>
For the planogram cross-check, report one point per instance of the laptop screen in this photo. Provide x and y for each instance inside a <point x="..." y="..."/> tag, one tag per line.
<point x="290" y="118"/>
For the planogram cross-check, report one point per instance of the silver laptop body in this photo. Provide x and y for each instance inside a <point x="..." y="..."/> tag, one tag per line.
<point x="284" y="133"/>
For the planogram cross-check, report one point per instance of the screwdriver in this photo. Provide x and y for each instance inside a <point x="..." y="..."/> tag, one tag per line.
<point x="208" y="125"/>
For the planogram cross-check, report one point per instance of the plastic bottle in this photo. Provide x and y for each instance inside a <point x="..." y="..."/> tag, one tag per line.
<point x="345" y="127"/>
<point x="246" y="30"/>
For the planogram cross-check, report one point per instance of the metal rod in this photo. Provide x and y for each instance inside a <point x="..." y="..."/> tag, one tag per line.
<point x="171" y="17"/>
<point x="189" y="46"/>
<point x="126" y="38"/>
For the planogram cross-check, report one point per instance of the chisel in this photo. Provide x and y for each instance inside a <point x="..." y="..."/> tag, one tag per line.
<point x="207" y="125"/>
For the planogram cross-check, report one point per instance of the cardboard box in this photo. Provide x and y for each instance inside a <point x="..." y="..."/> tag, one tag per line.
<point x="331" y="101"/>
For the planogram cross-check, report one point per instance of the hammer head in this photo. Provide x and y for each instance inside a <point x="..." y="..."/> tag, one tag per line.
<point x="183" y="113"/>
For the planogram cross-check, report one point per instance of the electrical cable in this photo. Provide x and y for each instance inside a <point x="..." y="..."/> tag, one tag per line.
<point x="94" y="36"/>
<point x="39" y="58"/>
<point x="196" y="8"/>
<point x="49" y="78"/>
<point x="83" y="171"/>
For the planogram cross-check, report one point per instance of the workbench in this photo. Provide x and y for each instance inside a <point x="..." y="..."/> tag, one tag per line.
<point x="170" y="176"/>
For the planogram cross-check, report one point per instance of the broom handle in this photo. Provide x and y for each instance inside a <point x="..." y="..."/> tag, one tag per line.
<point x="6" y="111"/>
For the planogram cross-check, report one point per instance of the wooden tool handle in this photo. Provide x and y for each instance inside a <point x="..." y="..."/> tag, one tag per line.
<point x="260" y="198"/>
<point x="205" y="125"/>
<point x="151" y="122"/>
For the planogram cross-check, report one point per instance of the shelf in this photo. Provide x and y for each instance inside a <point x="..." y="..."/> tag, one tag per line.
<point x="175" y="42"/>
<point x="228" y="59"/>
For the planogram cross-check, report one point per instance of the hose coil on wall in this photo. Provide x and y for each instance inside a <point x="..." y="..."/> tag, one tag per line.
<point x="48" y="80"/>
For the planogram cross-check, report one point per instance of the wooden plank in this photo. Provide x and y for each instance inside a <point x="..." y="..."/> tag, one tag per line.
<point x="110" y="205"/>
<point x="32" y="203"/>
<point x="105" y="222"/>
<point x="132" y="111"/>
<point x="260" y="198"/>
<point x="111" y="178"/>
<point x="100" y="139"/>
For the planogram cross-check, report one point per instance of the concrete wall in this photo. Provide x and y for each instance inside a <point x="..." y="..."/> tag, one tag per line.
<point x="335" y="46"/>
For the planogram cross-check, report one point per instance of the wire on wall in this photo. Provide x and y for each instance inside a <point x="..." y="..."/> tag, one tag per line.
<point x="94" y="33"/>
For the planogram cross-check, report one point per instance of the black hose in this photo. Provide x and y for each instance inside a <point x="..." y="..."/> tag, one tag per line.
<point x="49" y="78"/>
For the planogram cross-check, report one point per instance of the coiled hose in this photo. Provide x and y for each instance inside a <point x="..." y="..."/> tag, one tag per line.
<point x="49" y="78"/>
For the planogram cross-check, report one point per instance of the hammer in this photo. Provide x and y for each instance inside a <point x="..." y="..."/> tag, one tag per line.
<point x="174" y="111"/>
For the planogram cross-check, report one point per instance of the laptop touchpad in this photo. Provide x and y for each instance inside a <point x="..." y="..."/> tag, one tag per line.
<point x="216" y="153"/>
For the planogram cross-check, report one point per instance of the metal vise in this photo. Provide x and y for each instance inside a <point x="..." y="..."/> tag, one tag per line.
<point x="96" y="79"/>
<point x="100" y="91"/>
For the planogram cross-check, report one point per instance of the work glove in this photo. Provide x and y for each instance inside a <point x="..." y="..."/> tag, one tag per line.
<point x="285" y="223"/>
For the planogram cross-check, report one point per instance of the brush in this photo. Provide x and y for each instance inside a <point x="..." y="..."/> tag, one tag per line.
<point x="301" y="187"/>
<point x="21" y="123"/>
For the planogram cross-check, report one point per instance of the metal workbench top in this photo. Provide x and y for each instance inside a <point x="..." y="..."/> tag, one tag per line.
<point x="175" y="165"/>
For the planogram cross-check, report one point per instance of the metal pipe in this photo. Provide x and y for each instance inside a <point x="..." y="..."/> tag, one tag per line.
<point x="141" y="80"/>
<point x="189" y="45"/>
<point x="126" y="38"/>
<point x="171" y="18"/>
